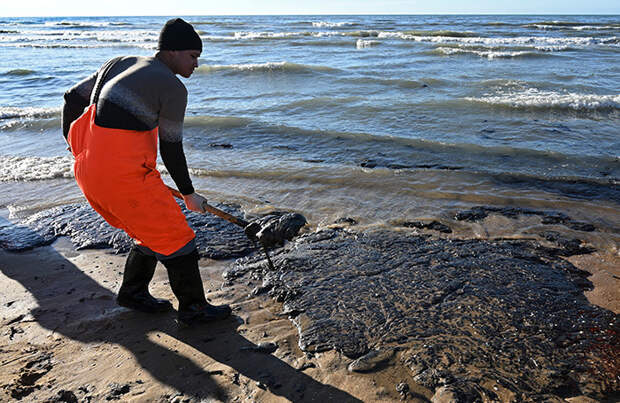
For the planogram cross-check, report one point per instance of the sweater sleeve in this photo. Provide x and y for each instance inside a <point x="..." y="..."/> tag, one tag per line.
<point x="76" y="100"/>
<point x="174" y="159"/>
<point x="173" y="102"/>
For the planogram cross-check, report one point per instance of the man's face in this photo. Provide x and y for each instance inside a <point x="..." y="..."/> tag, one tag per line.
<point x="185" y="61"/>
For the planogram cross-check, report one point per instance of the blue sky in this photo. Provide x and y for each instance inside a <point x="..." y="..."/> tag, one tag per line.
<point x="17" y="8"/>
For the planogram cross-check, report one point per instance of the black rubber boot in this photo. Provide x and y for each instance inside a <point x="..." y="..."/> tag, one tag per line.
<point x="186" y="284"/>
<point x="134" y="292"/>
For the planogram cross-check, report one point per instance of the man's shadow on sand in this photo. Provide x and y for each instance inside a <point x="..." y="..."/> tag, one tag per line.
<point x="72" y="304"/>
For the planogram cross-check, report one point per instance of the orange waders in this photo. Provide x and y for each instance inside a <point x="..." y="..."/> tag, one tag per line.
<point x="116" y="170"/>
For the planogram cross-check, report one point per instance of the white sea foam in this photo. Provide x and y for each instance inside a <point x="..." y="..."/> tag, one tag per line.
<point x="547" y="27"/>
<point x="506" y="41"/>
<point x="76" y="39"/>
<point x="255" y="35"/>
<point x="251" y="35"/>
<point x="14" y="168"/>
<point x="489" y="54"/>
<point x="553" y="48"/>
<point x="535" y="98"/>
<point x="78" y="46"/>
<point x="243" y="67"/>
<point x="361" y="43"/>
<point x="125" y="36"/>
<point x="323" y="24"/>
<point x="262" y="67"/>
<point x="10" y="112"/>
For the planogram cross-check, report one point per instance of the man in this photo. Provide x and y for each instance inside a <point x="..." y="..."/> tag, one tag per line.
<point x="132" y="103"/>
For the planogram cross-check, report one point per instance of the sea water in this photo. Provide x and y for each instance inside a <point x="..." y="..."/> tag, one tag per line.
<point x="376" y="118"/>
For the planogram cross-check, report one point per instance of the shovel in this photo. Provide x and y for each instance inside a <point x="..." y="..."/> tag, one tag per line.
<point x="250" y="229"/>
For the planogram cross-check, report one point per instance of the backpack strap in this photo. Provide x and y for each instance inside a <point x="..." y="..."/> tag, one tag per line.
<point x="101" y="78"/>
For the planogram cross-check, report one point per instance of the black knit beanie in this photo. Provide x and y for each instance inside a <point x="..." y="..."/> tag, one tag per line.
<point x="179" y="35"/>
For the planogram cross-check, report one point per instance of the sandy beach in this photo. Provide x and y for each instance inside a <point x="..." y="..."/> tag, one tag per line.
<point x="460" y="179"/>
<point x="64" y="339"/>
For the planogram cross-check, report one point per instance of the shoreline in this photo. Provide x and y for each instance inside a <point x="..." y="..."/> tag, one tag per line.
<point x="65" y="336"/>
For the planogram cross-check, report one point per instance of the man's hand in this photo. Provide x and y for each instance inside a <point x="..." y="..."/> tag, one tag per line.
<point x="194" y="202"/>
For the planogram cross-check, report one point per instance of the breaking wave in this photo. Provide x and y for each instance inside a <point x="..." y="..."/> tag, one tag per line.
<point x="251" y="35"/>
<point x="323" y="24"/>
<point x="489" y="54"/>
<point x="506" y="41"/>
<point x="546" y="27"/>
<point x="9" y="112"/>
<point x="538" y="99"/>
<point x="35" y="168"/>
<point x="110" y="44"/>
<point x="269" y="67"/>
<point x="361" y="43"/>
<point x="570" y="24"/>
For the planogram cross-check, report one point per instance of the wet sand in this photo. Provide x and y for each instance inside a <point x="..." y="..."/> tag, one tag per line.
<point x="65" y="339"/>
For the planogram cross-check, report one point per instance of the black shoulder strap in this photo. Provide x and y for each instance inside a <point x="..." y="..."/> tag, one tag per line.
<point x="101" y="78"/>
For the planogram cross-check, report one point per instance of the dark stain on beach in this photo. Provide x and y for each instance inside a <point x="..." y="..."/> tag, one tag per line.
<point x="473" y="319"/>
<point x="478" y="213"/>
<point x="469" y="319"/>
<point x="215" y="237"/>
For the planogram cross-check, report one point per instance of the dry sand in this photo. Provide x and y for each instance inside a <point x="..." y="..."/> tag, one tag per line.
<point x="64" y="339"/>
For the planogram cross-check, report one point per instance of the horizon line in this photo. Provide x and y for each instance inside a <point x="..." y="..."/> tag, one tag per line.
<point x="309" y="15"/>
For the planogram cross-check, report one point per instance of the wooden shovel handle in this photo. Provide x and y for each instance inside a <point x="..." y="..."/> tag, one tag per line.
<point x="213" y="210"/>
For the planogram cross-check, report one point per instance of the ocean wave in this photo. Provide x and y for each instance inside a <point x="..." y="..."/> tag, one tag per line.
<point x="324" y="24"/>
<point x="121" y="34"/>
<point x="506" y="41"/>
<point x="554" y="48"/>
<point x="66" y="25"/>
<point x="500" y="24"/>
<point x="124" y="36"/>
<point x="489" y="54"/>
<point x="363" y="34"/>
<point x="539" y="99"/>
<point x="361" y="43"/>
<point x="18" y="72"/>
<point x="573" y="28"/>
<point x="109" y="44"/>
<point x="10" y="112"/>
<point x="444" y="33"/>
<point x="21" y="23"/>
<point x="556" y="23"/>
<point x="252" y="35"/>
<point x="447" y="48"/>
<point x="91" y="24"/>
<point x="268" y="67"/>
<point x="14" y="168"/>
<point x="73" y="39"/>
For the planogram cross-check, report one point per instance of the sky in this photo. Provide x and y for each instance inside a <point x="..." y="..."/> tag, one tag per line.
<point x="20" y="8"/>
